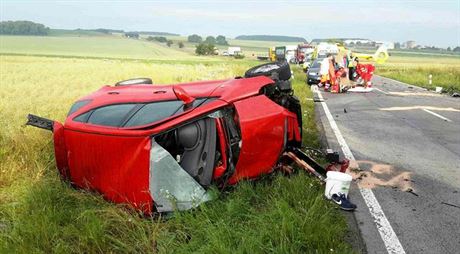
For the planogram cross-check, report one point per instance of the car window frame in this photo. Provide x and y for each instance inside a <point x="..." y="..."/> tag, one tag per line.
<point x="138" y="107"/>
<point x="75" y="108"/>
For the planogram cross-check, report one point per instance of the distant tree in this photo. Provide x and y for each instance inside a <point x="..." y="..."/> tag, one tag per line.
<point x="210" y="40"/>
<point x="195" y="38"/>
<point x="103" y="30"/>
<point x="205" y="49"/>
<point x="23" y="28"/>
<point x="335" y="41"/>
<point x="201" y="49"/>
<point x="169" y="43"/>
<point x="132" y="35"/>
<point x="271" y="38"/>
<point x="160" y="39"/>
<point x="456" y="49"/>
<point x="181" y="44"/>
<point x="449" y="49"/>
<point x="221" y="40"/>
<point x="157" y="38"/>
<point x="397" y="45"/>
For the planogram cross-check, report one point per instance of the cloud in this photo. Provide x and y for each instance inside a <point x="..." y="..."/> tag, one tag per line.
<point x="299" y="12"/>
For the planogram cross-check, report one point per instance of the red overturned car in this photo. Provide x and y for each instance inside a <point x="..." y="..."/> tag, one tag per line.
<point x="160" y="147"/>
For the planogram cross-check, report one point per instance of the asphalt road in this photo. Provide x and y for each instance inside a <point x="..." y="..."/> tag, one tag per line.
<point x="393" y="133"/>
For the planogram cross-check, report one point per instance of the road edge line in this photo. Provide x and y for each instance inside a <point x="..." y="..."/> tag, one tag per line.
<point x="437" y="115"/>
<point x="380" y="90"/>
<point x="389" y="238"/>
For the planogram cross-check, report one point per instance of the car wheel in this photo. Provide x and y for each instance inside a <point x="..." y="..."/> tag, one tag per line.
<point x="281" y="68"/>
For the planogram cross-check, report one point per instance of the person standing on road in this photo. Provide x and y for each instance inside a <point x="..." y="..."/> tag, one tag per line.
<point x="332" y="67"/>
<point x="351" y="67"/>
<point x="324" y="70"/>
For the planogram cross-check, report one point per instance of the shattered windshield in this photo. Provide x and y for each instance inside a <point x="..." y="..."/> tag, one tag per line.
<point x="171" y="187"/>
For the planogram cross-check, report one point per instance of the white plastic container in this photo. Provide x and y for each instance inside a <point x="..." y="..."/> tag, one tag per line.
<point x="439" y="89"/>
<point x="337" y="182"/>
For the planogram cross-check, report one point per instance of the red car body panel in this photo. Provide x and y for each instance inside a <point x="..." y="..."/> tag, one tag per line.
<point x="116" y="166"/>
<point x="260" y="148"/>
<point x="115" y="160"/>
<point x="265" y="128"/>
<point x="60" y="150"/>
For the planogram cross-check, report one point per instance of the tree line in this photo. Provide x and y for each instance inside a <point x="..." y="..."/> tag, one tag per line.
<point x="207" y="46"/>
<point x="219" y="40"/>
<point x="23" y="28"/>
<point x="271" y="38"/>
<point x="163" y="39"/>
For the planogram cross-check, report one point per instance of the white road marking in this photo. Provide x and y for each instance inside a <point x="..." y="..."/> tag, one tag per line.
<point x="402" y="83"/>
<point x="436" y="114"/>
<point x="420" y="107"/>
<point x="380" y="90"/>
<point x="391" y="241"/>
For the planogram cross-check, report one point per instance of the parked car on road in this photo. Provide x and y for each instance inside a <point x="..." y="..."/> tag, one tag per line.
<point x="313" y="76"/>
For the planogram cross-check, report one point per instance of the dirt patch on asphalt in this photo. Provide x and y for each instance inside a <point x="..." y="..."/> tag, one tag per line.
<point x="369" y="174"/>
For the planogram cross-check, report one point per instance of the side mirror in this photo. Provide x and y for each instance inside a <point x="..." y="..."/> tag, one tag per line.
<point x="182" y="95"/>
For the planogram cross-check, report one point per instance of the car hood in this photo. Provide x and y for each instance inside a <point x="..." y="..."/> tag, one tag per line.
<point x="314" y="70"/>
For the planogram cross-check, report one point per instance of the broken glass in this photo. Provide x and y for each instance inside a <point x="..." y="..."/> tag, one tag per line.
<point x="171" y="187"/>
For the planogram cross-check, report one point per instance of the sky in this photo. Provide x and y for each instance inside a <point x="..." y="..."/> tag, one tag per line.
<point x="427" y="22"/>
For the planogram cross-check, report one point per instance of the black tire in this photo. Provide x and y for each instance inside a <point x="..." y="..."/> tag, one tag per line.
<point x="135" y="81"/>
<point x="282" y="70"/>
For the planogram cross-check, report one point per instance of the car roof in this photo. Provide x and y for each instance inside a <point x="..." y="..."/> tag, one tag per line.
<point x="228" y="90"/>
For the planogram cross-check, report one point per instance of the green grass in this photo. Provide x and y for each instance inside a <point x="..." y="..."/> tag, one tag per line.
<point x="248" y="47"/>
<point x="75" y="33"/>
<point x="41" y="214"/>
<point x="445" y="71"/>
<point x="68" y="43"/>
<point x="109" y="46"/>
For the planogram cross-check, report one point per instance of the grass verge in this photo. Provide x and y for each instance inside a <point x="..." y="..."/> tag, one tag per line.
<point x="445" y="71"/>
